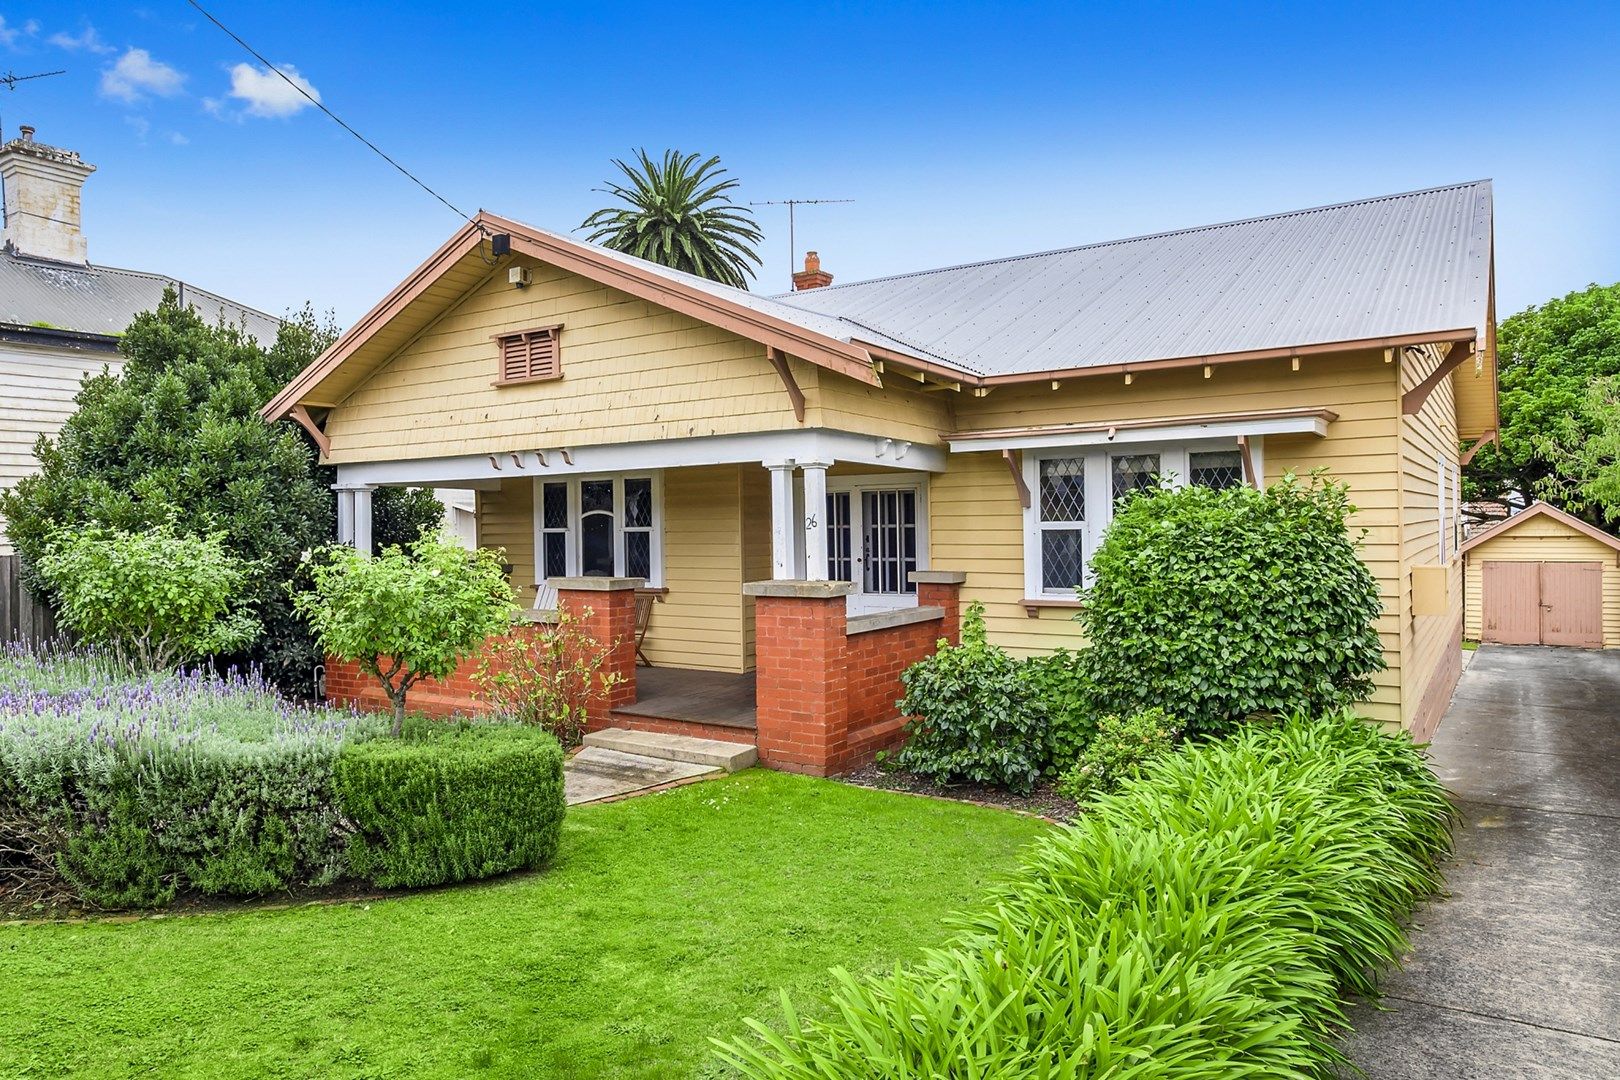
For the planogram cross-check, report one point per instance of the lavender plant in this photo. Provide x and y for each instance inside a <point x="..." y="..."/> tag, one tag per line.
<point x="148" y="785"/>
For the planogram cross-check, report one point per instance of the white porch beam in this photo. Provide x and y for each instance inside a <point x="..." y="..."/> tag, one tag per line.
<point x="816" y="444"/>
<point x="784" y="530"/>
<point x="815" y="519"/>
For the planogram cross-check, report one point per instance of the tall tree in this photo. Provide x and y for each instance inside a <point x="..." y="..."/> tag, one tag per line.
<point x="677" y="213"/>
<point x="176" y="437"/>
<point x="1559" y="382"/>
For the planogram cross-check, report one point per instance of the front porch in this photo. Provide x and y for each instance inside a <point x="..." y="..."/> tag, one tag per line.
<point x="681" y="701"/>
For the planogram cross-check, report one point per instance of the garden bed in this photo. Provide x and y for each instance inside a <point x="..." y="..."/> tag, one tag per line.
<point x="1044" y="800"/>
<point x="128" y="792"/>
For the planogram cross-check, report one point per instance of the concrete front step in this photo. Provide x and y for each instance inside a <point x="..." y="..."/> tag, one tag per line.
<point x="685" y="748"/>
<point x="594" y="774"/>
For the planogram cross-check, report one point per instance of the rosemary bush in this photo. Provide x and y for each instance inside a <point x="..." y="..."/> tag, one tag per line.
<point x="1203" y="922"/>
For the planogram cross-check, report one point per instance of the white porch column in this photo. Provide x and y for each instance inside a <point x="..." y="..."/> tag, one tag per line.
<point x="815" y="519"/>
<point x="362" y="520"/>
<point x="345" y="513"/>
<point x="784" y="530"/>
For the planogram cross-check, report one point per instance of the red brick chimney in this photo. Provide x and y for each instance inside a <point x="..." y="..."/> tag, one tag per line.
<point x="812" y="276"/>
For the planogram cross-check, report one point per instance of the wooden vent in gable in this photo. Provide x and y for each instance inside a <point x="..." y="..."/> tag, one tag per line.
<point x="529" y="355"/>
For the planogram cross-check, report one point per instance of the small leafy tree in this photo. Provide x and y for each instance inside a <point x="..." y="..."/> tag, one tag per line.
<point x="154" y="598"/>
<point x="975" y="715"/>
<point x="1220" y="605"/>
<point x="549" y="676"/>
<point x="407" y="615"/>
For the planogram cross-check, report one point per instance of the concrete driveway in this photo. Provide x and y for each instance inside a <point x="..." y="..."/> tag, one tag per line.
<point x="1516" y="973"/>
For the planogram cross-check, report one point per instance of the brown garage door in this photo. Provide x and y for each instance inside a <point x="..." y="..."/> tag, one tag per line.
<point x="1542" y="603"/>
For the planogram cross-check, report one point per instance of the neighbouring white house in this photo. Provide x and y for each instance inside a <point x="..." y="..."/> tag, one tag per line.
<point x="61" y="315"/>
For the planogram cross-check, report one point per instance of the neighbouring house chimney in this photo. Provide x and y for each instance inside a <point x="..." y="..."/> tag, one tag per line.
<point x="41" y="185"/>
<point x="812" y="276"/>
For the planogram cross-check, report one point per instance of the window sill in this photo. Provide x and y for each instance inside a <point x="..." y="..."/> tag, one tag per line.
<point x="525" y="382"/>
<point x="1034" y="604"/>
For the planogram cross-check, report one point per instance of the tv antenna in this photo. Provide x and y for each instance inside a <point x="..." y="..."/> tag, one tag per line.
<point x="11" y="78"/>
<point x="793" y="253"/>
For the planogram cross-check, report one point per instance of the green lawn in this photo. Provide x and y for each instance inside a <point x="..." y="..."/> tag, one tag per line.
<point x="666" y="919"/>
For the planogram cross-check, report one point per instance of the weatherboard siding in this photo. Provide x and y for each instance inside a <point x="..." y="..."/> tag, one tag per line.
<point x="976" y="524"/>
<point x="40" y="386"/>
<point x="1430" y="644"/>
<point x="631" y="372"/>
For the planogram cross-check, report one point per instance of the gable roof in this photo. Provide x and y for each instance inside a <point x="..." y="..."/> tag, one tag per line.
<point x="1396" y="270"/>
<point x="1387" y="267"/>
<point x="1535" y="510"/>
<point x="104" y="300"/>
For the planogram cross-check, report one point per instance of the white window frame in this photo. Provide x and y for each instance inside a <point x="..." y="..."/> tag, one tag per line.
<point x="573" y="534"/>
<point x="1099" y="499"/>
<point x="856" y="484"/>
<point x="1442" y="485"/>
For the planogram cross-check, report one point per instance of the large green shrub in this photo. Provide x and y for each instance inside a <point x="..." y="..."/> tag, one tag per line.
<point x="154" y="599"/>
<point x="1205" y="922"/>
<point x="177" y="436"/>
<point x="973" y="714"/>
<point x="408" y="615"/>
<point x="1220" y="605"/>
<point x="449" y="802"/>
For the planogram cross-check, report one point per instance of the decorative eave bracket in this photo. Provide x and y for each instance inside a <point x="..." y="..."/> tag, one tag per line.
<point x="779" y="361"/>
<point x="1468" y="455"/>
<point x="1015" y="465"/>
<point x="301" y="416"/>
<point x="1412" y="401"/>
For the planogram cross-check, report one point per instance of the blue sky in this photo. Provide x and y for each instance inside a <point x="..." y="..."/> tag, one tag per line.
<point x="962" y="131"/>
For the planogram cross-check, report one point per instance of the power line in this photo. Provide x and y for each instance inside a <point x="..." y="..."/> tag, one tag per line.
<point x="315" y="101"/>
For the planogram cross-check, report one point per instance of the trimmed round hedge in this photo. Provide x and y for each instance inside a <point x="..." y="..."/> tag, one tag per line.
<point x="451" y="802"/>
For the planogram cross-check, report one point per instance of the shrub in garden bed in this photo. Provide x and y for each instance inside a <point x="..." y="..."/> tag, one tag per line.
<point x="449" y="802"/>
<point x="975" y="716"/>
<point x="1205" y="921"/>
<point x="1221" y="605"/>
<point x="124" y="792"/>
<point x="1121" y="748"/>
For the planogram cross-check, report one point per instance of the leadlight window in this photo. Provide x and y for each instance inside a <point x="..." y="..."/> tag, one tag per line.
<point x="1215" y="468"/>
<point x="1062" y="522"/>
<point x="599" y="527"/>
<point x="1134" y="472"/>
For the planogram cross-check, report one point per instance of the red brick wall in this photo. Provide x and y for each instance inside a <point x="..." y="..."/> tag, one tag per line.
<point x="611" y="617"/>
<point x="826" y="699"/>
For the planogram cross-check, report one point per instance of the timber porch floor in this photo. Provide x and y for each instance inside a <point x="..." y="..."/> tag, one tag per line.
<point x="705" y="697"/>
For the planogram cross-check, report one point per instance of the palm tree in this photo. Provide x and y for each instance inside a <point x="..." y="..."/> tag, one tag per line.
<point x="681" y="217"/>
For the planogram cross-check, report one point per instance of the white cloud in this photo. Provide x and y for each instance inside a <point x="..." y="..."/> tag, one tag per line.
<point x="267" y="93"/>
<point x="140" y="125"/>
<point x="87" y="40"/>
<point x="137" y="75"/>
<point x="177" y="139"/>
<point x="9" y="34"/>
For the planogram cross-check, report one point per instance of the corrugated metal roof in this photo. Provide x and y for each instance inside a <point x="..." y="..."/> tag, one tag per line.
<point x="104" y="300"/>
<point x="1404" y="264"/>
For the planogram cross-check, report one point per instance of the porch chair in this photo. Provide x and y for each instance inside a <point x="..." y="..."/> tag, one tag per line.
<point x="645" y="598"/>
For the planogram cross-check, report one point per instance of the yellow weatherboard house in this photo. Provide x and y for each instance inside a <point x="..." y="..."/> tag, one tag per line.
<point x="784" y="500"/>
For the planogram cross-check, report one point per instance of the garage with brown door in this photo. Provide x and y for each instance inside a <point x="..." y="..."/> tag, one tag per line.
<point x="1542" y="577"/>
